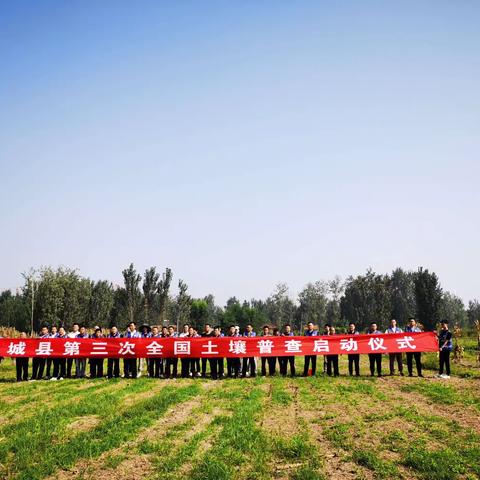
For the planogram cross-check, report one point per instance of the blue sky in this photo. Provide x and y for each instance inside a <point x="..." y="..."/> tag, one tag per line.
<point x="240" y="143"/>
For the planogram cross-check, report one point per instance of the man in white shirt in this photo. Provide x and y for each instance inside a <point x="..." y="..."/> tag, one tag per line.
<point x="73" y="334"/>
<point x="395" y="356"/>
<point x="130" y="364"/>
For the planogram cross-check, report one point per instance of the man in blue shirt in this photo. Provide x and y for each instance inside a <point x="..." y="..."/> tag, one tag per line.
<point x="412" y="328"/>
<point x="310" y="332"/>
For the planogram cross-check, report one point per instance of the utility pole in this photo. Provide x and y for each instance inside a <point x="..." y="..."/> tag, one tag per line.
<point x="32" y="287"/>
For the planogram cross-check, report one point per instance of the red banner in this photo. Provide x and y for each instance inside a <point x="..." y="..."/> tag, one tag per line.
<point x="212" y="347"/>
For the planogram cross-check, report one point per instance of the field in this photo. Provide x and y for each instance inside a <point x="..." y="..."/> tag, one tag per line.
<point x="298" y="428"/>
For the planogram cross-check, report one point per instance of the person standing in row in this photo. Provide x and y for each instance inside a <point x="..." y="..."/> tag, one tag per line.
<point x="38" y="363"/>
<point x="96" y="363"/>
<point x="21" y="364"/>
<point x="81" y="363"/>
<point x="216" y="364"/>
<point x="207" y="332"/>
<point x="375" y="358"/>
<point x="284" y="361"/>
<point x="130" y="364"/>
<point x="332" y="360"/>
<point x="155" y="364"/>
<point x="49" y="362"/>
<point x="60" y="364"/>
<point x="395" y="356"/>
<point x="233" y="363"/>
<point x="270" y="360"/>
<point x="145" y="332"/>
<point x="249" y="366"/>
<point x="310" y="359"/>
<point x="73" y="334"/>
<point x="113" y="364"/>
<point x="185" y="362"/>
<point x="413" y="328"/>
<point x="353" y="358"/>
<point x="171" y="363"/>
<point x="446" y="346"/>
<point x="194" y="362"/>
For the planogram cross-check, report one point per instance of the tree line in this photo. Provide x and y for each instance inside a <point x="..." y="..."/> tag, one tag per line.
<point x="63" y="296"/>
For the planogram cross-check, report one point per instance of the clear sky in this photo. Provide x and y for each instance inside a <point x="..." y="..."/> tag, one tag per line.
<point x="241" y="143"/>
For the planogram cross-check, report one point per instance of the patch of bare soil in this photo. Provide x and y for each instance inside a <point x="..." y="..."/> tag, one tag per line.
<point x="9" y="399"/>
<point x="337" y="466"/>
<point x="286" y="424"/>
<point x="95" y="469"/>
<point x="466" y="416"/>
<point x="133" y="468"/>
<point x="204" y="445"/>
<point x="134" y="398"/>
<point x="83" y="424"/>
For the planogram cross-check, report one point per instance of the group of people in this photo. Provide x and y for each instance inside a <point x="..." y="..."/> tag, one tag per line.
<point x="158" y="367"/>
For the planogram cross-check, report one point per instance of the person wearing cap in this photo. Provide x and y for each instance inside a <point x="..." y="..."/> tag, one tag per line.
<point x="249" y="366"/>
<point x="130" y="364"/>
<point x="395" y="356"/>
<point x="113" y="364"/>
<point x="285" y="361"/>
<point x="417" y="356"/>
<point x="375" y="359"/>
<point x="353" y="358"/>
<point x="310" y="359"/>
<point x="445" y="345"/>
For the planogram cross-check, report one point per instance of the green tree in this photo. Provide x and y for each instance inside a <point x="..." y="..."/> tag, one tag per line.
<point x="452" y="309"/>
<point x="199" y="312"/>
<point x="428" y="297"/>
<point x="150" y="289"/>
<point x="279" y="307"/>
<point x="133" y="296"/>
<point x="163" y="288"/>
<point x="402" y="291"/>
<point x="101" y="304"/>
<point x="473" y="312"/>
<point x="313" y="302"/>
<point x="14" y="311"/>
<point x="366" y="300"/>
<point x="335" y="291"/>
<point x="182" y="304"/>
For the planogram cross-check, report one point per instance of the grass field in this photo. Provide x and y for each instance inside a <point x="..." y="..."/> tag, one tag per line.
<point x="300" y="428"/>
